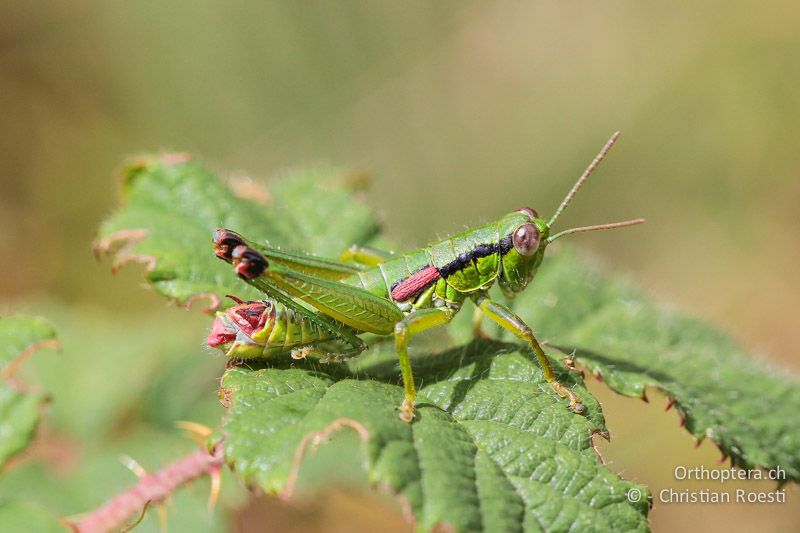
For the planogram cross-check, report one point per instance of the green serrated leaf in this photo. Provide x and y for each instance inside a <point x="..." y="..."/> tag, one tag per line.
<point x="748" y="409"/>
<point x="20" y="409"/>
<point x="509" y="437"/>
<point x="173" y="204"/>
<point x="492" y="447"/>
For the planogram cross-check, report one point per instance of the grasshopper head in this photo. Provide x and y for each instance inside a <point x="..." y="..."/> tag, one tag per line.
<point x="526" y="237"/>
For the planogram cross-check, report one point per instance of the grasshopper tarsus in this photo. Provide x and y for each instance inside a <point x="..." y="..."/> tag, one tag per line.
<point x="577" y="407"/>
<point x="311" y="300"/>
<point x="407" y="411"/>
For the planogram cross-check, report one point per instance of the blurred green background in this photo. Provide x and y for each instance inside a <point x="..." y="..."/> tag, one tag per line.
<point x="460" y="111"/>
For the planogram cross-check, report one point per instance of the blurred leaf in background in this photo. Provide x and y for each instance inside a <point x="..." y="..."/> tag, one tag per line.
<point x="20" y="404"/>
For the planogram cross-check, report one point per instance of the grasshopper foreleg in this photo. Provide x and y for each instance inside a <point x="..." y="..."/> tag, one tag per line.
<point x="509" y="321"/>
<point x="410" y="326"/>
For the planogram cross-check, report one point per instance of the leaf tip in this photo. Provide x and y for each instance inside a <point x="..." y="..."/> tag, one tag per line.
<point x="120" y="244"/>
<point x="213" y="299"/>
<point x="605" y="435"/>
<point x="8" y="371"/>
<point x="313" y="440"/>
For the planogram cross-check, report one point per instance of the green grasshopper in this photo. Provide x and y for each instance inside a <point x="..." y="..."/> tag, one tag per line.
<point x="312" y="302"/>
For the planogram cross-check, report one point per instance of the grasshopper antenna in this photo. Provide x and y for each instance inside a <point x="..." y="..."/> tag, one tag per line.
<point x="583" y="229"/>
<point x="586" y="173"/>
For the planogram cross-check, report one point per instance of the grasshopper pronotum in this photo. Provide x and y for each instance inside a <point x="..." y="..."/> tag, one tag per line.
<point x="311" y="302"/>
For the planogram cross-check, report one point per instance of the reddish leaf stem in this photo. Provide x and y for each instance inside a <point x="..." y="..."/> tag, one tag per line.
<point x="153" y="488"/>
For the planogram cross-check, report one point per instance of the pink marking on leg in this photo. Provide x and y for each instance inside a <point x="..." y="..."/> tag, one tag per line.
<point x="415" y="284"/>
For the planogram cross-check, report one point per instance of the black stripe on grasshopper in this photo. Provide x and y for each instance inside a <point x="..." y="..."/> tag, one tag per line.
<point x="415" y="284"/>
<point x="482" y="250"/>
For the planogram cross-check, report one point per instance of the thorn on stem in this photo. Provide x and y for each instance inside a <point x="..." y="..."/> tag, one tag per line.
<point x="197" y="432"/>
<point x="133" y="465"/>
<point x="216" y="484"/>
<point x="162" y="518"/>
<point x="138" y="521"/>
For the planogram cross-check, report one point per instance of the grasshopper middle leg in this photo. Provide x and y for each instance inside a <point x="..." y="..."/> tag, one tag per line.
<point x="411" y="325"/>
<point x="509" y="321"/>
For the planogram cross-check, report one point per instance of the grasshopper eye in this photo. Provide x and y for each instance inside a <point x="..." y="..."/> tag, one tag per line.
<point x="528" y="211"/>
<point x="526" y="239"/>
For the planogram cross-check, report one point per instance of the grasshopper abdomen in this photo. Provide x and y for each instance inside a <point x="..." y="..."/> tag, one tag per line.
<point x="262" y="329"/>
